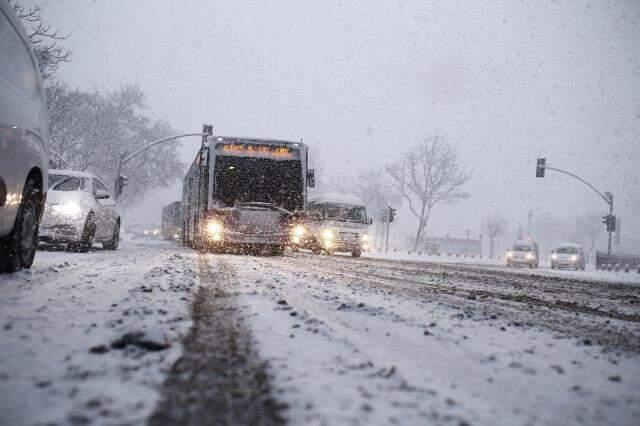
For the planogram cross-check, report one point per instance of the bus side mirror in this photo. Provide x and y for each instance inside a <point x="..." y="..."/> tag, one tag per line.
<point x="311" y="178"/>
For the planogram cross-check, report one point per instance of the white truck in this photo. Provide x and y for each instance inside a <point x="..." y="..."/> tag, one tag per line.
<point x="334" y="223"/>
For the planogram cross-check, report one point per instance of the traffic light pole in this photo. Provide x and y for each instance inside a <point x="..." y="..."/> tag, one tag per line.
<point x="607" y="197"/>
<point x="125" y="158"/>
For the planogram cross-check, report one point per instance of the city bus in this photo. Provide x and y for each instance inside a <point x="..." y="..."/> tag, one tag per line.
<point x="245" y="194"/>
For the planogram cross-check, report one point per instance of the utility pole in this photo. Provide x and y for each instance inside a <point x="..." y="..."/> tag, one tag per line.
<point x="391" y="213"/>
<point x="466" y="249"/>
<point x="610" y="219"/>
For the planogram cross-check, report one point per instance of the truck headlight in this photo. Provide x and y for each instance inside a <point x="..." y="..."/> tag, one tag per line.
<point x="327" y="234"/>
<point x="70" y="208"/>
<point x="214" y="229"/>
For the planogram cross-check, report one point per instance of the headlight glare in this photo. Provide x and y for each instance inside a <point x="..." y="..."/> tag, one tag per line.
<point x="214" y="228"/>
<point x="365" y="237"/>
<point x="327" y="234"/>
<point x="298" y="231"/>
<point x="70" y="208"/>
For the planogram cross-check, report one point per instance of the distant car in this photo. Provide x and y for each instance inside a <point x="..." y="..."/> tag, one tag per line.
<point x="79" y="212"/>
<point x="24" y="155"/>
<point x="523" y="253"/>
<point x="568" y="255"/>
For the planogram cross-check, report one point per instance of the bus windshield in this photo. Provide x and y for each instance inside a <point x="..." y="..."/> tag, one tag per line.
<point x="254" y="179"/>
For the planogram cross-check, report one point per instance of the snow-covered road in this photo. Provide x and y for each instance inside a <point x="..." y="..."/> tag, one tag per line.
<point x="311" y="340"/>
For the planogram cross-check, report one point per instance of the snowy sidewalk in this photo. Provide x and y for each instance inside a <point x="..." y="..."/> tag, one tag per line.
<point x="83" y="336"/>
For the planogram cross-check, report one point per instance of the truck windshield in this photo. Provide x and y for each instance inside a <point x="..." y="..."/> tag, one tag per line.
<point x="346" y="213"/>
<point x="252" y="179"/>
<point x="567" y="250"/>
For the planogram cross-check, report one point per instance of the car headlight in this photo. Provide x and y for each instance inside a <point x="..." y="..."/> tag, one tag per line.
<point x="554" y="256"/>
<point x="146" y="232"/>
<point x="298" y="231"/>
<point x="70" y="208"/>
<point x="529" y="255"/>
<point x="574" y="258"/>
<point x="364" y="237"/>
<point x="509" y="254"/>
<point x="156" y="231"/>
<point x="327" y="234"/>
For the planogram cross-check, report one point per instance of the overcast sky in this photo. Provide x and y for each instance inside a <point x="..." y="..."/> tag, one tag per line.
<point x="358" y="82"/>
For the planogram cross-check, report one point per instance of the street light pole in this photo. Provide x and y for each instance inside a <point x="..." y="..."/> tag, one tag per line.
<point x="607" y="196"/>
<point x="125" y="157"/>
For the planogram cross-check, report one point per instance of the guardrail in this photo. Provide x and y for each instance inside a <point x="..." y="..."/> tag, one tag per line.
<point x="617" y="262"/>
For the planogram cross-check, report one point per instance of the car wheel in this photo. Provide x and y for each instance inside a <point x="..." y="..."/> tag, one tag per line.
<point x="86" y="240"/>
<point x="112" y="244"/>
<point x="19" y="247"/>
<point x="356" y="253"/>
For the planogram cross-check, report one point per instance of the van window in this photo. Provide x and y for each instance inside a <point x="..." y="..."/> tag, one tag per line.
<point x="17" y="66"/>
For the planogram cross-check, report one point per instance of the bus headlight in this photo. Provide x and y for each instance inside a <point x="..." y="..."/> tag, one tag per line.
<point x="214" y="229"/>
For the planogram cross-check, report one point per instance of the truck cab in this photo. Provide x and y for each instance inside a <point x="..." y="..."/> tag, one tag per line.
<point x="335" y="223"/>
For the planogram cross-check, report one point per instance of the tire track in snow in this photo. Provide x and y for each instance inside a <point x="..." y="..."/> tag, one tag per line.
<point x="220" y="379"/>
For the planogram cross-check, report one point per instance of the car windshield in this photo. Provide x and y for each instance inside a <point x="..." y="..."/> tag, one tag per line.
<point x="64" y="183"/>
<point x="567" y="250"/>
<point x="521" y="247"/>
<point x="346" y="213"/>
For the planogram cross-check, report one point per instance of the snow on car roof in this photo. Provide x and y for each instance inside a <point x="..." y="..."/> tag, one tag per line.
<point x="336" y="198"/>
<point x="523" y="242"/>
<point x="73" y="173"/>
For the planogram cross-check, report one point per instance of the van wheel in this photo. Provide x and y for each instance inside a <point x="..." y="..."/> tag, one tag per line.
<point x="19" y="248"/>
<point x="112" y="244"/>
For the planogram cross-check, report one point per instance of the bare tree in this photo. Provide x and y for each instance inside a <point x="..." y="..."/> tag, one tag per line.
<point x="494" y="225"/>
<point x="89" y="131"/>
<point x="43" y="38"/>
<point x="428" y="175"/>
<point x="375" y="190"/>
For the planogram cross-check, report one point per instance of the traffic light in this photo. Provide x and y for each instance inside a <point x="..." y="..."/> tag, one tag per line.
<point x="541" y="167"/>
<point x="610" y="221"/>
<point x="392" y="213"/>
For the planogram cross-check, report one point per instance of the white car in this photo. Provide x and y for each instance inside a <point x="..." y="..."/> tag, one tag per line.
<point x="568" y="255"/>
<point x="523" y="253"/>
<point x="79" y="212"/>
<point x="24" y="157"/>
